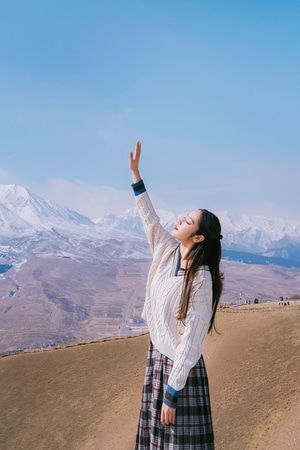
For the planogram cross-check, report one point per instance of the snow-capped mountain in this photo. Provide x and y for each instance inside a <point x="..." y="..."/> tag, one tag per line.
<point x="23" y="211"/>
<point x="269" y="237"/>
<point x="31" y="224"/>
<point x="130" y="221"/>
<point x="257" y="233"/>
<point x="25" y="214"/>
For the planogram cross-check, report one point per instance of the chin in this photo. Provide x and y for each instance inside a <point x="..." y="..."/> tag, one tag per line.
<point x="174" y="234"/>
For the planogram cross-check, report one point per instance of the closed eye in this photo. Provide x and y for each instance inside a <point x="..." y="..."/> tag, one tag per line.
<point x="188" y="220"/>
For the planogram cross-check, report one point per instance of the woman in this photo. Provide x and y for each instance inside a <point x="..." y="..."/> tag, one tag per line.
<point x="183" y="290"/>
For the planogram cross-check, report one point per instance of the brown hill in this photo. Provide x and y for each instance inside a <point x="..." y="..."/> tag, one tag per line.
<point x="86" y="397"/>
<point x="55" y="300"/>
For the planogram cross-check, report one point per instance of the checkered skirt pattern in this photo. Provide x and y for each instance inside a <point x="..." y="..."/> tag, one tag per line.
<point x="193" y="429"/>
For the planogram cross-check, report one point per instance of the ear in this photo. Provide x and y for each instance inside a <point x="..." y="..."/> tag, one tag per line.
<point x="198" y="238"/>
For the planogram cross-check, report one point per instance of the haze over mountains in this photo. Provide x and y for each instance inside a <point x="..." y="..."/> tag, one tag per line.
<point x="271" y="239"/>
<point x="65" y="277"/>
<point x="24" y="214"/>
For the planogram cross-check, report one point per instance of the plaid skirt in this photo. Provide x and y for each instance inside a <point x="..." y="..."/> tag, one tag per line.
<point x="193" y="429"/>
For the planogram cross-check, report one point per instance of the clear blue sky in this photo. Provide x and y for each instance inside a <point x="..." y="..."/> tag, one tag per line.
<point x="211" y="88"/>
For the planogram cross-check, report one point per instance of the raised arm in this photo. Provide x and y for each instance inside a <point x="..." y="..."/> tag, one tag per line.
<point x="134" y="159"/>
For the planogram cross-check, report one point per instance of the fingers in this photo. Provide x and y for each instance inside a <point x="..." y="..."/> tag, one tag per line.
<point x="136" y="155"/>
<point x="138" y="148"/>
<point x="168" y="418"/>
<point x="134" y="160"/>
<point x="168" y="415"/>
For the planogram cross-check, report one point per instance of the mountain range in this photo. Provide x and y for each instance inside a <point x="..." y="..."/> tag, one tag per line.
<point x="67" y="278"/>
<point x="26" y="217"/>
<point x="256" y="239"/>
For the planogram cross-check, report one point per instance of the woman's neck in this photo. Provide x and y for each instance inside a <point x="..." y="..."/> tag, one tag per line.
<point x="184" y="250"/>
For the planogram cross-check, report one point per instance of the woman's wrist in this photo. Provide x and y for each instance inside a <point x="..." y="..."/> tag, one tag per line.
<point x="171" y="397"/>
<point x="136" y="176"/>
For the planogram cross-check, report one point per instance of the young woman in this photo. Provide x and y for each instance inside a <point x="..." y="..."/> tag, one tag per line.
<point x="182" y="294"/>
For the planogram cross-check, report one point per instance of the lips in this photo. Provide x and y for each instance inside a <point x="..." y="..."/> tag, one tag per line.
<point x="175" y="227"/>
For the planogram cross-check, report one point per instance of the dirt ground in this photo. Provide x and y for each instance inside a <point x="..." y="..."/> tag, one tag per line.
<point x="86" y="397"/>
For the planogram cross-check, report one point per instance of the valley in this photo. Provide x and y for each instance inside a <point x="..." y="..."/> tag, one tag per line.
<point x="60" y="300"/>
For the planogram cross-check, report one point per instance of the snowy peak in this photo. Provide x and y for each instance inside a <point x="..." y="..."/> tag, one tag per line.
<point x="256" y="233"/>
<point x="277" y="226"/>
<point x="275" y="237"/>
<point x="13" y="191"/>
<point x="130" y="221"/>
<point x="22" y="210"/>
<point x="23" y="213"/>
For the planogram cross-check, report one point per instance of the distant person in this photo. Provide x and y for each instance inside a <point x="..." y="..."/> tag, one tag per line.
<point x="182" y="294"/>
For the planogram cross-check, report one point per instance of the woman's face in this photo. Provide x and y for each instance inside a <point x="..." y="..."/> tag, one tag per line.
<point x="184" y="230"/>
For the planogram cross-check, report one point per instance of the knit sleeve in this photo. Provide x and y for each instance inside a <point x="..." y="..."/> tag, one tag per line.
<point x="155" y="232"/>
<point x="138" y="187"/>
<point x="189" y="350"/>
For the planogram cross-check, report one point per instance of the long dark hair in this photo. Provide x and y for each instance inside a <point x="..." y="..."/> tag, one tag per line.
<point x="205" y="253"/>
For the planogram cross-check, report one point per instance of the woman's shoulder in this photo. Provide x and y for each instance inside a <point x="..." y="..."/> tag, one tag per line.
<point x="166" y="248"/>
<point x="202" y="278"/>
<point x="202" y="272"/>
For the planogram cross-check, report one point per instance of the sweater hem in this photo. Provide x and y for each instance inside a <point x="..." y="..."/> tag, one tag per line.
<point x="164" y="349"/>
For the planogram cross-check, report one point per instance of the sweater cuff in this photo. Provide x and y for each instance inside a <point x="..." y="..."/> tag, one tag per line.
<point x="138" y="188"/>
<point x="171" y="397"/>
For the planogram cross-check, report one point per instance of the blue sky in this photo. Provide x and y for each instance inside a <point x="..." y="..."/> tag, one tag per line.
<point x="211" y="88"/>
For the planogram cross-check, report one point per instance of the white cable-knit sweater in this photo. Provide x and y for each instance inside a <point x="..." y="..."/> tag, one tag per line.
<point x="181" y="343"/>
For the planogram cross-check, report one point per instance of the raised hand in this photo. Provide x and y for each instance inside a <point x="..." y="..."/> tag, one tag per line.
<point x="134" y="159"/>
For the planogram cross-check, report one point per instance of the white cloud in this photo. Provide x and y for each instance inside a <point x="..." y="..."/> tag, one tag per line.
<point x="92" y="201"/>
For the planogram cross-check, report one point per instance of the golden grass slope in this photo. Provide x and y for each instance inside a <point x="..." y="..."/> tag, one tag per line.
<point x="86" y="397"/>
